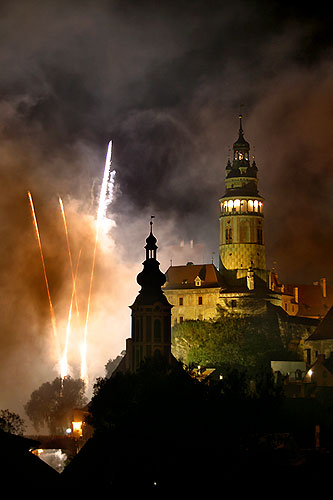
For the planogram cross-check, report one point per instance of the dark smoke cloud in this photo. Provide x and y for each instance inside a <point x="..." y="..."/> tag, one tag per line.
<point x="164" y="81"/>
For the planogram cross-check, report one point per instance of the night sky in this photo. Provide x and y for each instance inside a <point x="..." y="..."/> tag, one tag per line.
<point x="164" y="81"/>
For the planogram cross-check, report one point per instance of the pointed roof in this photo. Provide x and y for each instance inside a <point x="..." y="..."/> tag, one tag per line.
<point x="241" y="142"/>
<point x="324" y="331"/>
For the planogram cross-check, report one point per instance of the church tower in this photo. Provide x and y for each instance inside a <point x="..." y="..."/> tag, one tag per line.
<point x="242" y="243"/>
<point x="151" y="314"/>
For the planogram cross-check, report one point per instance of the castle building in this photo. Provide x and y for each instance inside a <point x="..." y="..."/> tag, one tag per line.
<point x="151" y="315"/>
<point x="242" y="243"/>
<point x="241" y="285"/>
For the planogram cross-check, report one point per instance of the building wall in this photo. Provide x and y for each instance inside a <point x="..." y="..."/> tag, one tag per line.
<point x="317" y="348"/>
<point x="242" y="236"/>
<point x="193" y="303"/>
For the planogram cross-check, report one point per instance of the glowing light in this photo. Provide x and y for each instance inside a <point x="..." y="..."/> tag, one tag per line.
<point x="105" y="199"/>
<point x="230" y="205"/>
<point x="64" y="361"/>
<point x="77" y="428"/>
<point x="255" y="204"/>
<point x="53" y="319"/>
<point x="310" y="373"/>
<point x="237" y="205"/>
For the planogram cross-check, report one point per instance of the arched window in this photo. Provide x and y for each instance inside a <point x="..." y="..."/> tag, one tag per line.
<point x="157" y="330"/>
<point x="250" y="205"/>
<point x="237" y="205"/>
<point x="255" y="205"/>
<point x="243" y="206"/>
<point x="230" y="205"/>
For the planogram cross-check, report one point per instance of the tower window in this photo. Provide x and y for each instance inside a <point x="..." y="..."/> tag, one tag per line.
<point x="259" y="235"/>
<point x="243" y="206"/>
<point x="181" y="301"/>
<point x="200" y="301"/>
<point x="237" y="205"/>
<point x="181" y="319"/>
<point x="250" y="205"/>
<point x="228" y="235"/>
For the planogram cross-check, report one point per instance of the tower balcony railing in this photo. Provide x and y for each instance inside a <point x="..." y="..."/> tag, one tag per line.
<point x="241" y="206"/>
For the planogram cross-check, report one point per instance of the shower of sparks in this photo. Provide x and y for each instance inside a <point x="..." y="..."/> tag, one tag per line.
<point x="69" y="252"/>
<point x="64" y="360"/>
<point x="104" y="200"/>
<point x="53" y="319"/>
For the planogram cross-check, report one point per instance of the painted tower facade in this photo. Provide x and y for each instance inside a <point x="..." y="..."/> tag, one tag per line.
<point x="242" y="242"/>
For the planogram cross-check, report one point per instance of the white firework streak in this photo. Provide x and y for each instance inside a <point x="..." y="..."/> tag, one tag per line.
<point x="105" y="199"/>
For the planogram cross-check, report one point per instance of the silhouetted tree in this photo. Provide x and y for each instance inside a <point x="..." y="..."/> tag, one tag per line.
<point x="52" y="403"/>
<point x="154" y="396"/>
<point x="112" y="364"/>
<point x="11" y="422"/>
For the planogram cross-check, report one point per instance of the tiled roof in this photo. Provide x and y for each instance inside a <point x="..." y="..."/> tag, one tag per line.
<point x="324" y="331"/>
<point x="311" y="300"/>
<point x="184" y="276"/>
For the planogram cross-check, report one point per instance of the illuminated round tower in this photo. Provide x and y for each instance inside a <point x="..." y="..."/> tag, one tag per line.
<point x="242" y="243"/>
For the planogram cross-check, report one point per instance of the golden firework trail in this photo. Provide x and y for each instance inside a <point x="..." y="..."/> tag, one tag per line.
<point x="104" y="200"/>
<point x="69" y="252"/>
<point x="53" y="319"/>
<point x="64" y="360"/>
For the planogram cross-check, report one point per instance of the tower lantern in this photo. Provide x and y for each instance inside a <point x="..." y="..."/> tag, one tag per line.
<point x="241" y="215"/>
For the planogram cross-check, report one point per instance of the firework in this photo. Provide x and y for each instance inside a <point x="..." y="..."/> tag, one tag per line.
<point x="69" y="252"/>
<point x="104" y="200"/>
<point x="52" y="315"/>
<point x="64" y="359"/>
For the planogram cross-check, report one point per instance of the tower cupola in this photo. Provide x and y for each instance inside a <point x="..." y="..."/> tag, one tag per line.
<point x="242" y="244"/>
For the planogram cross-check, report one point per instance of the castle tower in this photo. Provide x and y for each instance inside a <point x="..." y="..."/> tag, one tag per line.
<point x="242" y="243"/>
<point x="151" y="314"/>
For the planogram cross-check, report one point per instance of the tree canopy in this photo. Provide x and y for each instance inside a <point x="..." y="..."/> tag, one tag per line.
<point x="52" y="403"/>
<point x="243" y="342"/>
<point x="11" y="422"/>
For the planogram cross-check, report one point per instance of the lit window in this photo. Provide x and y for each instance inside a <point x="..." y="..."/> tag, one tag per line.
<point x="250" y="205"/>
<point x="237" y="205"/>
<point x="243" y="206"/>
<point x="230" y="205"/>
<point x="255" y="204"/>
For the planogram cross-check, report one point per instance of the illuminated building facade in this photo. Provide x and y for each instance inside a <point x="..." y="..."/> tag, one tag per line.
<point x="242" y="285"/>
<point x="242" y="243"/>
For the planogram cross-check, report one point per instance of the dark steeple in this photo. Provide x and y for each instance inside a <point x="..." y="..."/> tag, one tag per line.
<point x="151" y="278"/>
<point x="241" y="175"/>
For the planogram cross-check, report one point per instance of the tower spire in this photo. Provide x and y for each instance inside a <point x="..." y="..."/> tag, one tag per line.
<point x="241" y="132"/>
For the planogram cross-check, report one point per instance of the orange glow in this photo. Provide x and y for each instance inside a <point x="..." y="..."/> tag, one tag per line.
<point x="77" y="428"/>
<point x="53" y="319"/>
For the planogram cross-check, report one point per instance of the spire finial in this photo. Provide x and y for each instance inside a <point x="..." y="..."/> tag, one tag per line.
<point x="151" y="222"/>
<point x="240" y="119"/>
